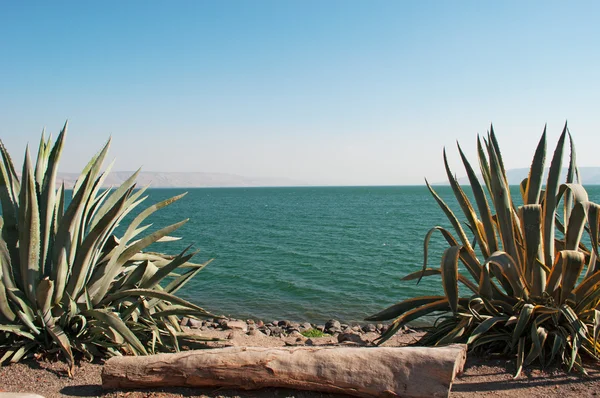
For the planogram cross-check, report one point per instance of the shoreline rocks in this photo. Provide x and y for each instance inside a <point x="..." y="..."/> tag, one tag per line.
<point x="287" y="328"/>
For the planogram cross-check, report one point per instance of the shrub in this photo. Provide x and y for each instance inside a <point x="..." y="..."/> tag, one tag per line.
<point x="533" y="290"/>
<point x="314" y="333"/>
<point x="67" y="284"/>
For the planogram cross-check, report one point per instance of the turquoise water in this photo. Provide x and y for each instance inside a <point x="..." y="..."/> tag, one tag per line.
<point x="309" y="253"/>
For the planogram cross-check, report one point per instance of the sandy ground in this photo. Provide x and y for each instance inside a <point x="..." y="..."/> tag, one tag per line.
<point x="482" y="376"/>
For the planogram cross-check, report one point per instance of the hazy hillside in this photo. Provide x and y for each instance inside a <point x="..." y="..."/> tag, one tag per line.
<point x="159" y="179"/>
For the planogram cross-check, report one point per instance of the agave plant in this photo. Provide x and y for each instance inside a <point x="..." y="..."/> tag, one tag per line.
<point x="529" y="281"/>
<point x="67" y="283"/>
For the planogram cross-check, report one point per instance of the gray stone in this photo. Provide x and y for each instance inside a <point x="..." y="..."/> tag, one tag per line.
<point x="194" y="323"/>
<point x="256" y="332"/>
<point x="295" y="333"/>
<point x="305" y="326"/>
<point x="266" y="331"/>
<point x="237" y="325"/>
<point x="369" y="328"/>
<point x="184" y="321"/>
<point x="294" y="326"/>
<point x="351" y="338"/>
<point x="276" y="330"/>
<point x="333" y="324"/>
<point x="284" y="324"/>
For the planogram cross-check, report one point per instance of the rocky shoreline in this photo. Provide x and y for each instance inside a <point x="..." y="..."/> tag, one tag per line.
<point x="342" y="332"/>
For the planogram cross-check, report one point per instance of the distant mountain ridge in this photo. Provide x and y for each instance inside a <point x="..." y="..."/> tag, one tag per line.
<point x="159" y="179"/>
<point x="588" y="175"/>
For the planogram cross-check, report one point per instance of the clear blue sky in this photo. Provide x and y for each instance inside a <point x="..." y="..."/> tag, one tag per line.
<point x="324" y="92"/>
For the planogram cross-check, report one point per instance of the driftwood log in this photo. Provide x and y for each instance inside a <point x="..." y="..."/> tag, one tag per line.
<point x="358" y="371"/>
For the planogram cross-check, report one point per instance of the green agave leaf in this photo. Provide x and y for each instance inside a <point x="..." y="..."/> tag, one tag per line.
<point x="504" y="208"/>
<point x="23" y="310"/>
<point x="484" y="327"/>
<point x="467" y="209"/>
<point x="416" y="313"/>
<point x="23" y="350"/>
<point x="17" y="330"/>
<point x="587" y="286"/>
<point x="431" y="271"/>
<point x="99" y="288"/>
<point x="522" y="322"/>
<point x="531" y="224"/>
<point x="492" y="338"/>
<point x="520" y="356"/>
<point x="164" y="296"/>
<point x="399" y="309"/>
<point x="482" y="206"/>
<point x="572" y="176"/>
<point x="67" y="229"/>
<point x="113" y="321"/>
<point x="179" y="311"/>
<point x="47" y="205"/>
<point x="59" y="336"/>
<point x="115" y="197"/>
<point x="454" y="335"/>
<point x="180" y="281"/>
<point x="42" y="160"/>
<point x="483" y="164"/>
<point x="9" y="198"/>
<point x="509" y="270"/>
<point x="573" y="263"/>
<point x="594" y="223"/>
<point x="449" y="269"/>
<point x="447" y="235"/>
<point x="167" y="269"/>
<point x="485" y="284"/>
<point x="6" y="313"/>
<point x="29" y="231"/>
<point x="450" y="215"/>
<point x="536" y="172"/>
<point x="88" y="170"/>
<point x="550" y="201"/>
<point x="538" y="337"/>
<point x="92" y="243"/>
<point x="596" y="329"/>
<point x="45" y="290"/>
<point x="496" y="150"/>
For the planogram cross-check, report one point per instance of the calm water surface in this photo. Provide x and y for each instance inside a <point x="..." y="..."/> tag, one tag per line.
<point x="309" y="253"/>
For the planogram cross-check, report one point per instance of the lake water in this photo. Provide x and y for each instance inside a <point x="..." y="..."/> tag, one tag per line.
<point x="308" y="253"/>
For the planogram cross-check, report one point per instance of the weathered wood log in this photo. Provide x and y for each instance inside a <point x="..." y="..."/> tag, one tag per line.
<point x="358" y="371"/>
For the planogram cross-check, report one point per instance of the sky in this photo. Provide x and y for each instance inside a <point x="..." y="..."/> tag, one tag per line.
<point x="319" y="92"/>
